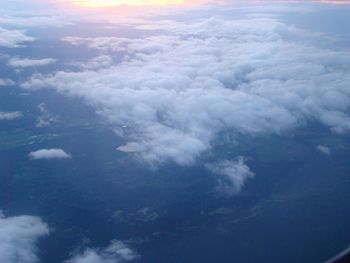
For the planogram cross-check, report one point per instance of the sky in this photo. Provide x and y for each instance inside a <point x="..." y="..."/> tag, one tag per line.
<point x="181" y="73"/>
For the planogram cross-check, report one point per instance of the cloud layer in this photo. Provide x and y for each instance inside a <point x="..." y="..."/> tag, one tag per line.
<point x="172" y="93"/>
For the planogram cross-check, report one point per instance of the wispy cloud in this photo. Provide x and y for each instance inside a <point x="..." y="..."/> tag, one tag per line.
<point x="323" y="149"/>
<point x="116" y="252"/>
<point x="6" y="82"/>
<point x="233" y="174"/>
<point x="10" y="115"/>
<point x="98" y="62"/>
<point x="13" y="38"/>
<point x="45" y="118"/>
<point x="27" y="62"/>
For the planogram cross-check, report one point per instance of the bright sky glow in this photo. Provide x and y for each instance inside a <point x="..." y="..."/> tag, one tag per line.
<point x="116" y="3"/>
<point x="111" y="3"/>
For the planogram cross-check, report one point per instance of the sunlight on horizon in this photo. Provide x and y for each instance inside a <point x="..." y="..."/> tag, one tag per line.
<point x="115" y="3"/>
<point x="118" y="3"/>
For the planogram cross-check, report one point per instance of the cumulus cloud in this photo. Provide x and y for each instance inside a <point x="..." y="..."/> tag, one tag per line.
<point x="323" y="149"/>
<point x="10" y="115"/>
<point x="48" y="154"/>
<point x="18" y="236"/>
<point x="178" y="89"/>
<point x="26" y="62"/>
<point x="116" y="252"/>
<point x="13" y="38"/>
<point x="233" y="175"/>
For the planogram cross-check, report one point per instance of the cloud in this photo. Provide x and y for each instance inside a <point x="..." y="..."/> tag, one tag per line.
<point x="18" y="236"/>
<point x="130" y="147"/>
<point x="100" y="43"/>
<point x="98" y="62"/>
<point x="233" y="175"/>
<point x="6" y="82"/>
<point x="177" y="90"/>
<point x="15" y="21"/>
<point x="35" y="19"/>
<point x="323" y="149"/>
<point x="46" y="118"/>
<point x="116" y="252"/>
<point x="13" y="38"/>
<point x="26" y="62"/>
<point x="48" y="154"/>
<point x="10" y="115"/>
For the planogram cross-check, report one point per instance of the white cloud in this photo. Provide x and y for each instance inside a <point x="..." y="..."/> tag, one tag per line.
<point x="48" y="154"/>
<point x="46" y="118"/>
<point x="15" y="21"/>
<point x="18" y="236"/>
<point x="179" y="89"/>
<point x="116" y="252"/>
<point x="98" y="62"/>
<point x="101" y="43"/>
<point x="13" y="38"/>
<point x="130" y="147"/>
<point x="26" y="62"/>
<point x="233" y="175"/>
<point x="323" y="149"/>
<point x="6" y="82"/>
<point x="10" y="115"/>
